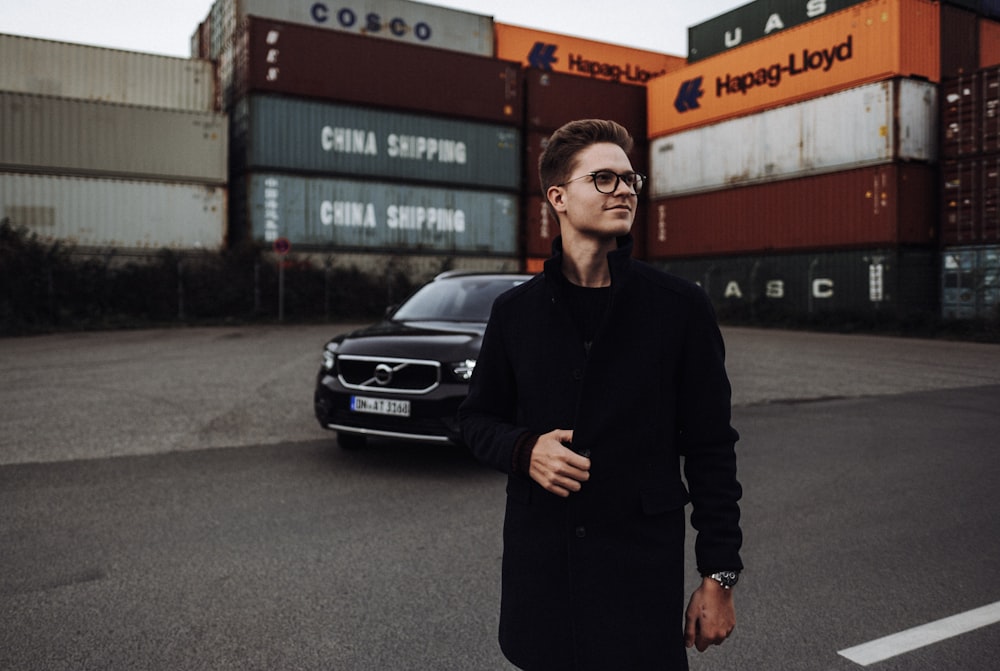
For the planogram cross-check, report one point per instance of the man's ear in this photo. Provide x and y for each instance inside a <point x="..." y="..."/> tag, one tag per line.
<point x="556" y="196"/>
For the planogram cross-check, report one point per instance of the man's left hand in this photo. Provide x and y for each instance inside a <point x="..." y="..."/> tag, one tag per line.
<point x="711" y="616"/>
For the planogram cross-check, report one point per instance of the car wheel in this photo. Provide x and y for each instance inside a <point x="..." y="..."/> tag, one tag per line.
<point x="351" y="441"/>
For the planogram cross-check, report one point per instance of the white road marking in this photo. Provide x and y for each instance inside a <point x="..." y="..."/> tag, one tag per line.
<point x="933" y="632"/>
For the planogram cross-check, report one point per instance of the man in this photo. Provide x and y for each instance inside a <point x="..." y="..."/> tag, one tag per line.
<point x="595" y="378"/>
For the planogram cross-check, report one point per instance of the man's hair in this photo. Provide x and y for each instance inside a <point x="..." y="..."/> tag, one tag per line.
<point x="558" y="158"/>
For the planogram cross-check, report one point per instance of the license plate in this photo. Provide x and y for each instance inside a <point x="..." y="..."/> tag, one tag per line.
<point x="380" y="406"/>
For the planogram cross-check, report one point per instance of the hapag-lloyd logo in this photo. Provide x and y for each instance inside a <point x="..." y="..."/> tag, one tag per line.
<point x="808" y="61"/>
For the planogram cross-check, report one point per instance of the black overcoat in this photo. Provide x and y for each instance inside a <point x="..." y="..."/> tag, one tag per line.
<point x="596" y="580"/>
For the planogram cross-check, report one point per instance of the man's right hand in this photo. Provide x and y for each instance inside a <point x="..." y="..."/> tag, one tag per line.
<point x="557" y="468"/>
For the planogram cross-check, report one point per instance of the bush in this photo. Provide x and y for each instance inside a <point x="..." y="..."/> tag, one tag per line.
<point x="47" y="287"/>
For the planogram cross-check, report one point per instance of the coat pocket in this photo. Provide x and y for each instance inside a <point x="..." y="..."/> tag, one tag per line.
<point x="663" y="497"/>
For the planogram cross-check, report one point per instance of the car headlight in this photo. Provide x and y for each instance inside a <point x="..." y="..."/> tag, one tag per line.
<point x="463" y="369"/>
<point x="329" y="360"/>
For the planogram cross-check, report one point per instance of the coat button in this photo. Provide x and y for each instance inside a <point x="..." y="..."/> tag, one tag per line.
<point x="577" y="374"/>
<point x="581" y="531"/>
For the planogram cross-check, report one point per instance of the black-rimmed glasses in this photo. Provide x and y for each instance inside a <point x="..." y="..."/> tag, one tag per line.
<point x="607" y="181"/>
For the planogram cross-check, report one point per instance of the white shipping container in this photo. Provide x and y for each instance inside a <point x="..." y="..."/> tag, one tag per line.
<point x="415" y="22"/>
<point x="115" y="214"/>
<point x="892" y="120"/>
<point x="62" y="135"/>
<point x="46" y="67"/>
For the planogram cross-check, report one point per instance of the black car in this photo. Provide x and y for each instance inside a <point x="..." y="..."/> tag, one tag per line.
<point x="405" y="376"/>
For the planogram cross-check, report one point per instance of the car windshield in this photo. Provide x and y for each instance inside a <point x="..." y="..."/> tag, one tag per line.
<point x="457" y="299"/>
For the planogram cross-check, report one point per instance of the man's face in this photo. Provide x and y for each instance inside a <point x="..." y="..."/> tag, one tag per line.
<point x="583" y="208"/>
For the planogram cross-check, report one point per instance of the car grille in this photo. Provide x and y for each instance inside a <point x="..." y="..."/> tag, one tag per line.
<point x="375" y="374"/>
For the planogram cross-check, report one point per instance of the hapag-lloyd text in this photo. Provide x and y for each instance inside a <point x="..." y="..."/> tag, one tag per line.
<point x="615" y="73"/>
<point x="811" y="61"/>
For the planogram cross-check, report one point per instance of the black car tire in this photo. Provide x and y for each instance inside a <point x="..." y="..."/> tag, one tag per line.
<point x="351" y="441"/>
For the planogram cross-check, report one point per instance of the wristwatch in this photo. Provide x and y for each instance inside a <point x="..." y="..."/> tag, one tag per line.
<point x="727" y="579"/>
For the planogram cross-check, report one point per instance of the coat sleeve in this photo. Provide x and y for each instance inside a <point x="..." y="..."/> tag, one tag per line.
<point x="707" y="441"/>
<point x="487" y="416"/>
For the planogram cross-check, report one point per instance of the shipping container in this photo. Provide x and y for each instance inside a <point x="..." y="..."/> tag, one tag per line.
<point x="565" y="54"/>
<point x="891" y="282"/>
<point x="970" y="282"/>
<point x="872" y="41"/>
<point x="962" y="115"/>
<point x="411" y="22"/>
<point x="876" y="123"/>
<point x="276" y="133"/>
<point x="989" y="8"/>
<point x="115" y="214"/>
<point x="67" y="136"/>
<point x="754" y="21"/>
<point x="887" y="205"/>
<point x="990" y="110"/>
<point x="339" y="67"/>
<point x="368" y="215"/>
<point x="970" y="201"/>
<point x="46" y="67"/>
<point x="959" y="41"/>
<point x="989" y="43"/>
<point x="552" y="99"/>
<point x="970" y="113"/>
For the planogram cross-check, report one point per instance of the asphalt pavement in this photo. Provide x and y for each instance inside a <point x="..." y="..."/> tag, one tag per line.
<point x="168" y="501"/>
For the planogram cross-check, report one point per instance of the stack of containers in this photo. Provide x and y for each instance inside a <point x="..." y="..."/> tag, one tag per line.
<point x="796" y="173"/>
<point x="111" y="150"/>
<point x="567" y="78"/>
<point x="362" y="150"/>
<point x="970" y="176"/>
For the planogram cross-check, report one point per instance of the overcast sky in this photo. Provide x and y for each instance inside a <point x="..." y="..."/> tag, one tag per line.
<point x="165" y="26"/>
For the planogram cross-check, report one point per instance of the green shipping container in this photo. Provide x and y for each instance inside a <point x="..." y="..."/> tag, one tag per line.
<point x="305" y="136"/>
<point x="325" y="213"/>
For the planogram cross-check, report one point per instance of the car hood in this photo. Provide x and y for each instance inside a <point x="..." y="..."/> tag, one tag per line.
<point x="443" y="341"/>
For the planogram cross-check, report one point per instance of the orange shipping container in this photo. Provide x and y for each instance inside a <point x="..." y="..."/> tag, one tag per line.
<point x="865" y="43"/>
<point x="578" y="56"/>
<point x="989" y="42"/>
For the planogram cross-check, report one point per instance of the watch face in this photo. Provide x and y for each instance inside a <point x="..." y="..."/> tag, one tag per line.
<point x="726" y="578"/>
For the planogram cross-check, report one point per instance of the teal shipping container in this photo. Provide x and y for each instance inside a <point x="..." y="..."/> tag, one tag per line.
<point x="324" y="213"/>
<point x="289" y="134"/>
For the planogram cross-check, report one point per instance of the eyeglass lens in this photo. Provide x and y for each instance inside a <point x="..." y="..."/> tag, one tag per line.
<point x="607" y="181"/>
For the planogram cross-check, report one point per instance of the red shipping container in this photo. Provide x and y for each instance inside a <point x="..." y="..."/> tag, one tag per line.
<point x="990" y="110"/>
<point x="970" y="202"/>
<point x="552" y="99"/>
<point x="276" y="57"/>
<point x="891" y="204"/>
<point x="959" y="41"/>
<point x="959" y="198"/>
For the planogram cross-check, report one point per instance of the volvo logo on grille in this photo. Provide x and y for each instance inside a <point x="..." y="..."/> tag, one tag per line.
<point x="383" y="374"/>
